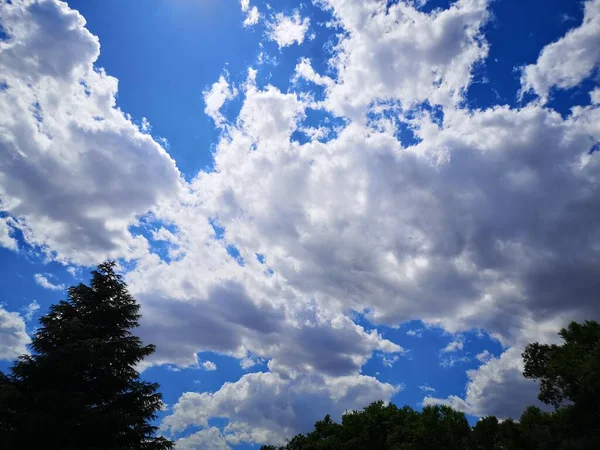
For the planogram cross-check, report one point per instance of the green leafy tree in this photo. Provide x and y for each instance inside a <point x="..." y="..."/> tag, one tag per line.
<point x="568" y="372"/>
<point x="486" y="434"/>
<point x="79" y="389"/>
<point x="569" y="376"/>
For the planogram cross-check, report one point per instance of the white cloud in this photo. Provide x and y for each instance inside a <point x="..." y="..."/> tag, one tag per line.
<point x="362" y="222"/>
<point x="567" y="61"/>
<point x="6" y="238"/>
<point x="209" y="366"/>
<point x="305" y="70"/>
<point x="30" y="310"/>
<point x="414" y="333"/>
<point x="453" y="346"/>
<point x="44" y="282"/>
<point x="595" y="96"/>
<point x="287" y="30"/>
<point x="252" y="17"/>
<point x="426" y="388"/>
<point x="211" y="438"/>
<point x="265" y="408"/>
<point x="215" y="97"/>
<point x="490" y="221"/>
<point x="496" y="388"/>
<point x="484" y="356"/>
<point x="13" y="335"/>
<point x="402" y="54"/>
<point x="76" y="172"/>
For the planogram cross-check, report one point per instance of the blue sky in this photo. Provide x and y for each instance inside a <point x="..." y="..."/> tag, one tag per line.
<point x="318" y="204"/>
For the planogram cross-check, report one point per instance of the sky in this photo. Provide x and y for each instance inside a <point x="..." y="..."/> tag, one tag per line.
<point x="318" y="204"/>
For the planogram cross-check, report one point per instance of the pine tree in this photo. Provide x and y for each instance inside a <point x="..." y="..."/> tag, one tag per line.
<point x="79" y="389"/>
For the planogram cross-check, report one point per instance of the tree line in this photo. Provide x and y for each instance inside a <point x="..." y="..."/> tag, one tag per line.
<point x="79" y="389"/>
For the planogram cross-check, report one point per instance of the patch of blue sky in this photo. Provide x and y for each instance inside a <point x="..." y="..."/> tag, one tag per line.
<point x="234" y="252"/>
<point x="218" y="229"/>
<point x="428" y="6"/>
<point x="329" y="126"/>
<point x="424" y="364"/>
<point x="17" y="280"/>
<point x="149" y="228"/>
<point x="515" y="40"/>
<point x="164" y="36"/>
<point x="562" y="100"/>
<point x="404" y="130"/>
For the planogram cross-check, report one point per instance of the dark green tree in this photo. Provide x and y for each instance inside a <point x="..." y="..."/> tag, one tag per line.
<point x="569" y="376"/>
<point x="79" y="389"/>
<point x="569" y="372"/>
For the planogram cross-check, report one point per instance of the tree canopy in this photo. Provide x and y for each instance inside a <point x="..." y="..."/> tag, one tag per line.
<point x="79" y="389"/>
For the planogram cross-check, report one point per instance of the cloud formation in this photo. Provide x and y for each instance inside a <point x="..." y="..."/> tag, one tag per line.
<point x="263" y="407"/>
<point x="287" y="30"/>
<point x="76" y="171"/>
<point x="209" y="366"/>
<point x="565" y="63"/>
<point x="408" y="206"/>
<point x="44" y="282"/>
<point x="13" y="335"/>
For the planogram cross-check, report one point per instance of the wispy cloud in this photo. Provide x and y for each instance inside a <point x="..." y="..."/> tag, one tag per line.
<point x="43" y="281"/>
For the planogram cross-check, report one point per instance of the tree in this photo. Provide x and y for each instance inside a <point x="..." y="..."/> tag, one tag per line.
<point x="79" y="389"/>
<point x="569" y="376"/>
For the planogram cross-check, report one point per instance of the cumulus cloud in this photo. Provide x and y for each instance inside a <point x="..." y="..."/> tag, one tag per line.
<point x="215" y="97"/>
<point x="211" y="438"/>
<point x="43" y="281"/>
<point x="13" y="335"/>
<point x="399" y="53"/>
<point x="363" y="222"/>
<point x="76" y="172"/>
<point x="496" y="388"/>
<point x="209" y="366"/>
<point x="569" y="60"/>
<point x="486" y="219"/>
<point x="265" y="408"/>
<point x="287" y="30"/>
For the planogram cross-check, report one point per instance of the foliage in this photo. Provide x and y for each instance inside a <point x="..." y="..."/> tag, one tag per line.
<point x="79" y="389"/>
<point x="569" y="376"/>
